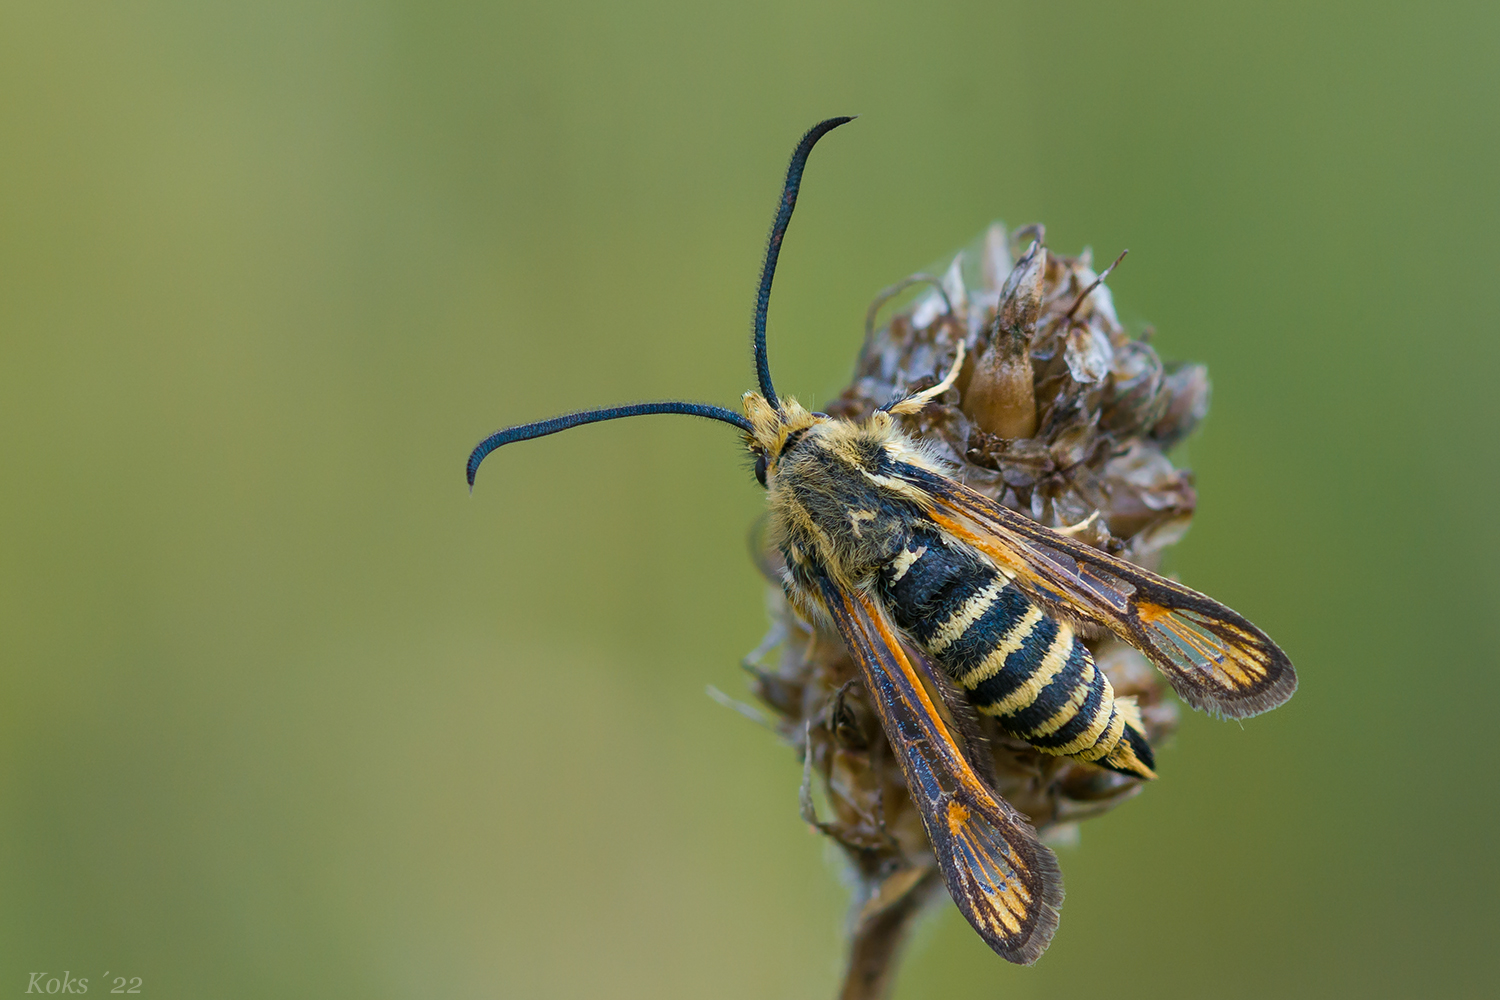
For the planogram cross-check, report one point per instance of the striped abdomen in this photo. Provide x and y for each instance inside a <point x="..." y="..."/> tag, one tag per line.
<point x="1019" y="664"/>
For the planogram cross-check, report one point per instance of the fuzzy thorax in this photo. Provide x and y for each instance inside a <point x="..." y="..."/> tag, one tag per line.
<point x="832" y="498"/>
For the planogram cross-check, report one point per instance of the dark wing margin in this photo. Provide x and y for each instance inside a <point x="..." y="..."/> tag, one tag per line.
<point x="1216" y="660"/>
<point x="1003" y="879"/>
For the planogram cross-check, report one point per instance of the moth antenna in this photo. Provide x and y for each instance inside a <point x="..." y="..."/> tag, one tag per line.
<point x="915" y="402"/>
<point x="1095" y="284"/>
<point x="773" y="247"/>
<point x="541" y="428"/>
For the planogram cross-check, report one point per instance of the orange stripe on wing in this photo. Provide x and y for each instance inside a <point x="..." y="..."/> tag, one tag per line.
<point x="985" y="543"/>
<point x="945" y="744"/>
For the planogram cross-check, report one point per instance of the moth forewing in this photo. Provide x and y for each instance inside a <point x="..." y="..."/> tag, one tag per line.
<point x="1216" y="659"/>
<point x="956" y="712"/>
<point x="1001" y="877"/>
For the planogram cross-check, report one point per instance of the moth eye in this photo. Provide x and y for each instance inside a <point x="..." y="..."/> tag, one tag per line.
<point x="760" y="469"/>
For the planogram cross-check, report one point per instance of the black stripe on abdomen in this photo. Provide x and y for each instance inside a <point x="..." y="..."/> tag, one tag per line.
<point x="1067" y="661"/>
<point x="1015" y="657"/>
<point x="928" y="583"/>
<point x="1017" y="663"/>
<point x="1085" y="684"/>
<point x="998" y="621"/>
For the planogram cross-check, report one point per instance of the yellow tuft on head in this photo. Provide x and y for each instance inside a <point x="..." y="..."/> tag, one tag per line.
<point x="770" y="425"/>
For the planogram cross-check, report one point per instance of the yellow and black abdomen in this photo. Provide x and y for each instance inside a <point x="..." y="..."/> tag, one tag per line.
<point x="1018" y="663"/>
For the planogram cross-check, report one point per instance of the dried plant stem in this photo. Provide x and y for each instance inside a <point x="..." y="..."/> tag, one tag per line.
<point x="876" y="942"/>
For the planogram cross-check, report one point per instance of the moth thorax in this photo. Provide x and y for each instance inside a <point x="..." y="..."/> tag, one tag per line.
<point x="855" y="537"/>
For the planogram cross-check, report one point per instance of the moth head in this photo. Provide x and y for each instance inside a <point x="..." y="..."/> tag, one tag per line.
<point x="776" y="430"/>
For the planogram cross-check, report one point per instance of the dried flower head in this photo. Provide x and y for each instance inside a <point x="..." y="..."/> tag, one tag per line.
<point x="1058" y="413"/>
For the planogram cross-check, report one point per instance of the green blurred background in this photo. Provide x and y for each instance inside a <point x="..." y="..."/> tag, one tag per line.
<point x="285" y="712"/>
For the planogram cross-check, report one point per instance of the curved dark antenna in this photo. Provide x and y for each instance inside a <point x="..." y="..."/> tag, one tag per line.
<point x="542" y="428"/>
<point x="773" y="247"/>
